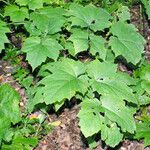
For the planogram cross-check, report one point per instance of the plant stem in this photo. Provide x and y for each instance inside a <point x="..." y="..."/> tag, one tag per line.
<point x="1" y="15"/>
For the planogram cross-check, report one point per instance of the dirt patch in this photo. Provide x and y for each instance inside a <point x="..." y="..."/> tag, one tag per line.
<point x="140" y="20"/>
<point x="66" y="136"/>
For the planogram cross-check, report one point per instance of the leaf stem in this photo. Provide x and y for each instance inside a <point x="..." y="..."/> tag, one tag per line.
<point x="1" y="15"/>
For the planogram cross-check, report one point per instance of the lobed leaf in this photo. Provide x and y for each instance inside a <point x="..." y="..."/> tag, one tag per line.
<point x="32" y="4"/>
<point x="89" y="16"/>
<point x="117" y="112"/>
<point x="48" y="19"/>
<point x="90" y="119"/>
<point x="16" y="14"/>
<point x="63" y="83"/>
<point x="123" y="13"/>
<point x="38" y="50"/>
<point x="111" y="134"/>
<point x="126" y="42"/>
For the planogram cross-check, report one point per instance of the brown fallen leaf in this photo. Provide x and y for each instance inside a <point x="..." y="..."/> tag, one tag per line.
<point x="1" y="78"/>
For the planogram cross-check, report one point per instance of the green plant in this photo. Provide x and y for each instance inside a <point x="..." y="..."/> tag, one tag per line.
<point x="3" y="30"/>
<point x="146" y="4"/>
<point x="19" y="131"/>
<point x="10" y="114"/>
<point x="110" y="98"/>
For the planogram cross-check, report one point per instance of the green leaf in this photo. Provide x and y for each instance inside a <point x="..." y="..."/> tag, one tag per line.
<point x="80" y="40"/>
<point x="32" y="29"/>
<point x="48" y="19"/>
<point x="114" y="88"/>
<point x="16" y="14"/>
<point x="114" y="91"/>
<point x="144" y="74"/>
<point x="66" y="79"/>
<point x="92" y="142"/>
<point x="26" y="141"/>
<point x="97" y="70"/>
<point x="143" y="131"/>
<point x="146" y="4"/>
<point x="123" y="13"/>
<point x="111" y="135"/>
<point x="21" y="143"/>
<point x="116" y="111"/>
<point x="3" y="38"/>
<point x="92" y="122"/>
<point x="26" y="82"/>
<point x="97" y="45"/>
<point x="70" y="47"/>
<point x="33" y="4"/>
<point x="90" y="118"/>
<point x="8" y="135"/>
<point x="89" y="16"/>
<point x="38" y="50"/>
<point x="126" y="42"/>
<point x="9" y="108"/>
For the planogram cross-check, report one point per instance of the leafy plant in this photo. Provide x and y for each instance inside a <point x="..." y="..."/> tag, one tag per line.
<point x="110" y="98"/>
<point x="82" y="39"/>
<point x="3" y="30"/>
<point x="146" y="4"/>
<point x="143" y="132"/>
<point x="10" y="113"/>
<point x="122" y="43"/>
<point x="16" y="14"/>
<point x="143" y="86"/>
<point x="68" y="77"/>
<point x="31" y="4"/>
<point x="18" y="131"/>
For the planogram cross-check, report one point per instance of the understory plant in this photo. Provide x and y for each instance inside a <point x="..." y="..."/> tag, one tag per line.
<point x="56" y="40"/>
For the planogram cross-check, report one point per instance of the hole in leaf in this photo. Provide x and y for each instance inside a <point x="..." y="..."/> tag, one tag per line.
<point x="93" y="22"/>
<point x="94" y="113"/>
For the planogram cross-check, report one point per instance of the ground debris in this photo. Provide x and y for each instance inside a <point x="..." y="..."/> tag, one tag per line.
<point x="66" y="136"/>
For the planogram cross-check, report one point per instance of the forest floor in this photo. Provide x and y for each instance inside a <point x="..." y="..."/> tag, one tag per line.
<point x="66" y="135"/>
